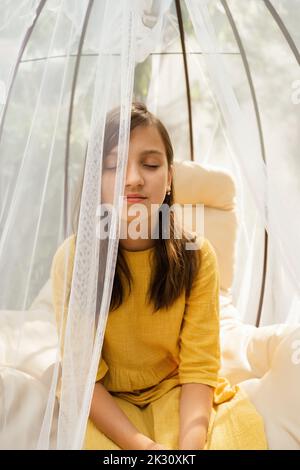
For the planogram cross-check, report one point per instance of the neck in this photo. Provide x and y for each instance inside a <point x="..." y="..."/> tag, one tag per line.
<point x="136" y="245"/>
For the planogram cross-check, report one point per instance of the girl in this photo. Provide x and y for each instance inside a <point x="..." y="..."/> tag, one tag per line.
<point x="157" y="385"/>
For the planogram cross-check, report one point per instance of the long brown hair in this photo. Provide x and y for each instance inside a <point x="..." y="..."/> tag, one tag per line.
<point x="174" y="267"/>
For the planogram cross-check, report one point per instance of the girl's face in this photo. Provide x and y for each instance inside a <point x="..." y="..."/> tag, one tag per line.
<point x="147" y="175"/>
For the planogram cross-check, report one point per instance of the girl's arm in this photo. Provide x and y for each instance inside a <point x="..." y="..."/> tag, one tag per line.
<point x="112" y="421"/>
<point x="199" y="352"/>
<point x="195" y="408"/>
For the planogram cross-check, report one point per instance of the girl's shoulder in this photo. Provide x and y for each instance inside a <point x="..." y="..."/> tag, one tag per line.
<point x="206" y="251"/>
<point x="64" y="256"/>
<point x="207" y="248"/>
<point x="67" y="247"/>
<point x="203" y="245"/>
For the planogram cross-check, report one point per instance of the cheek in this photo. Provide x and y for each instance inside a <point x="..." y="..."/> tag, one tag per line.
<point x="107" y="188"/>
<point x="158" y="188"/>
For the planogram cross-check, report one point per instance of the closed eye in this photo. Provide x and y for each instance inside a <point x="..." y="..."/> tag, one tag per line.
<point x="151" y="166"/>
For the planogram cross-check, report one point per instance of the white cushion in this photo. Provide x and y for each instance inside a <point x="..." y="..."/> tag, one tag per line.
<point x="28" y="349"/>
<point x="276" y="394"/>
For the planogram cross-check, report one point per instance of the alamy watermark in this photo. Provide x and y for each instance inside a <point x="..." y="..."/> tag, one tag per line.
<point x="137" y="221"/>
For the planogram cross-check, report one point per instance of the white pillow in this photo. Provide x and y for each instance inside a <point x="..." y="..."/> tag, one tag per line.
<point x="28" y="350"/>
<point x="276" y="395"/>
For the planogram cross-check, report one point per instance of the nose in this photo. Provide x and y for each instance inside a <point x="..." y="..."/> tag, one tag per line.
<point x="133" y="175"/>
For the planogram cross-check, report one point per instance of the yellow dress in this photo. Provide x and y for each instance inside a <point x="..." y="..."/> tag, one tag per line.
<point x="146" y="357"/>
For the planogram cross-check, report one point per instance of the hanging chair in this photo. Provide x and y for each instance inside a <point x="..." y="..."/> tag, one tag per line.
<point x="225" y="82"/>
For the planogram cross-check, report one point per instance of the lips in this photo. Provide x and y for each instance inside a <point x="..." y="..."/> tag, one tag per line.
<point x="135" y="196"/>
<point x="131" y="199"/>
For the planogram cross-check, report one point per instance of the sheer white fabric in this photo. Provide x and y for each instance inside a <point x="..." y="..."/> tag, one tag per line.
<point x="81" y="60"/>
<point x="14" y="23"/>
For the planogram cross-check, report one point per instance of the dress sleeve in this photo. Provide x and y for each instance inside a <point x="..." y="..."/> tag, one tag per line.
<point x="61" y="277"/>
<point x="102" y="369"/>
<point x="199" y="359"/>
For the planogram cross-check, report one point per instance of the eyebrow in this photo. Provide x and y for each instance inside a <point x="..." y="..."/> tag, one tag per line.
<point x="143" y="153"/>
<point x="151" y="151"/>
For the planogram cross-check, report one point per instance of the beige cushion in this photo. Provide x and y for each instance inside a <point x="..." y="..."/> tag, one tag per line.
<point x="215" y="189"/>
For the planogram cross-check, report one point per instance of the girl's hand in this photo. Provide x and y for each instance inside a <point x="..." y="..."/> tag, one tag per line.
<point x="157" y="446"/>
<point x="193" y="445"/>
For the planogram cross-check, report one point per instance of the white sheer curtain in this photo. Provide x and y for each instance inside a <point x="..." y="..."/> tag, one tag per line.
<point x="14" y="24"/>
<point x="81" y="60"/>
<point x="40" y="201"/>
<point x="243" y="73"/>
<point x="271" y="75"/>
